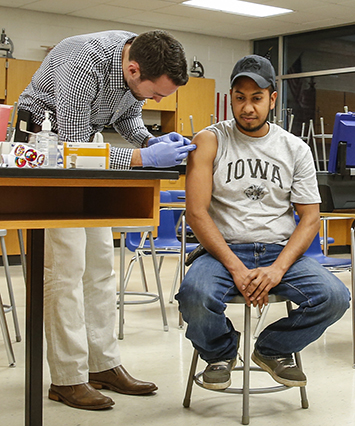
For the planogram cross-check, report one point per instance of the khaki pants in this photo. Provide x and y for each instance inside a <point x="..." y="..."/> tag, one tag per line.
<point x="80" y="303"/>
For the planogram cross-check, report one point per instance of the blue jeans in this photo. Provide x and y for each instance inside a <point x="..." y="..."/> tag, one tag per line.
<point x="321" y="297"/>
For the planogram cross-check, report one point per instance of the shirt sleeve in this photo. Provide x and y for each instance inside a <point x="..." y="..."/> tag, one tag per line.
<point x="120" y="158"/>
<point x="305" y="186"/>
<point x="131" y="126"/>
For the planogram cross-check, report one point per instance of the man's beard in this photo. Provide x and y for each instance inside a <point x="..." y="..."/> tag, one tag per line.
<point x="132" y="88"/>
<point x="138" y="97"/>
<point x="249" y="129"/>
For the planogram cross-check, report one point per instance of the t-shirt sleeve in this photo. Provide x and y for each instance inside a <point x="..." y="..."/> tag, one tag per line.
<point x="304" y="189"/>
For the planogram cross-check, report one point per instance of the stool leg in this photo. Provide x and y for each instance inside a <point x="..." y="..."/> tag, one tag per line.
<point x="157" y="278"/>
<point x="140" y="261"/>
<point x="261" y="320"/>
<point x="122" y="283"/>
<point x="246" y="369"/>
<point x="190" y="381"/>
<point x="9" y="287"/>
<point x="304" y="399"/>
<point x="5" y="332"/>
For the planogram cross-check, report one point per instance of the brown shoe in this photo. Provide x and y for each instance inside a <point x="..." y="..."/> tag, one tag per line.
<point x="117" y="379"/>
<point x="82" y="396"/>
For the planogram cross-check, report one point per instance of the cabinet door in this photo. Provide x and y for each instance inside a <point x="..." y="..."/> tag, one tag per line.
<point x="166" y="104"/>
<point x="196" y="99"/>
<point x="19" y="74"/>
<point x="2" y="78"/>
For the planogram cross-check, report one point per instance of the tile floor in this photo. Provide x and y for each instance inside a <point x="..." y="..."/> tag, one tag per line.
<point x="149" y="353"/>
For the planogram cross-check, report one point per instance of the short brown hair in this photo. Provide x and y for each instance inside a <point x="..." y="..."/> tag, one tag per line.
<point x="158" y="53"/>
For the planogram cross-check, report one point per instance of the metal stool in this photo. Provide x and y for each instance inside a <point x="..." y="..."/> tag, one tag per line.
<point x="245" y="390"/>
<point x="150" y="297"/>
<point x="11" y="307"/>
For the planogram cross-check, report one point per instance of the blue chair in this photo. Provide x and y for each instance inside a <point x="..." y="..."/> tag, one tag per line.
<point x="178" y="195"/>
<point x="334" y="264"/>
<point x="166" y="244"/>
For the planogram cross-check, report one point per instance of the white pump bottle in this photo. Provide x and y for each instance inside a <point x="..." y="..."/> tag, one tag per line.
<point x="47" y="143"/>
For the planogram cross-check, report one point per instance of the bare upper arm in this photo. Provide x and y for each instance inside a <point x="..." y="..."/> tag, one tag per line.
<point x="199" y="173"/>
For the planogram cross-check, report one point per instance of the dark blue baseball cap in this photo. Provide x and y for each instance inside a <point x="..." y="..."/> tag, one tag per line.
<point x="257" y="68"/>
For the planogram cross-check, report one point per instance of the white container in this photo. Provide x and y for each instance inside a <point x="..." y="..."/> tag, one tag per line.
<point x="47" y="142"/>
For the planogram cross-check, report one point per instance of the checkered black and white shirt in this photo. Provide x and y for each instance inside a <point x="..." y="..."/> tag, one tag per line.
<point x="81" y="83"/>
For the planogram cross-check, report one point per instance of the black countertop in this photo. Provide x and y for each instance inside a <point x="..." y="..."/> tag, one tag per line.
<point x="181" y="169"/>
<point x="12" y="172"/>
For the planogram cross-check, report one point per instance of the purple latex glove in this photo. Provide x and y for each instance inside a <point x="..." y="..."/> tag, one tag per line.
<point x="165" y="154"/>
<point x="169" y="137"/>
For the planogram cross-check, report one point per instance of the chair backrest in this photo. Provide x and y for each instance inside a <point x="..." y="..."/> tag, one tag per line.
<point x="132" y="240"/>
<point x="315" y="251"/>
<point x="166" y="229"/>
<point x="175" y="194"/>
<point x="343" y="131"/>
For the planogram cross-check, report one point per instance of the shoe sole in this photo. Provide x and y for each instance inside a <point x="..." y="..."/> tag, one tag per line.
<point x="101" y="385"/>
<point x="278" y="379"/>
<point x="219" y="386"/>
<point x="56" y="397"/>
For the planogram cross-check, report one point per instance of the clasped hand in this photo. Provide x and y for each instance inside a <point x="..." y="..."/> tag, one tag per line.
<point x="166" y="151"/>
<point x="256" y="285"/>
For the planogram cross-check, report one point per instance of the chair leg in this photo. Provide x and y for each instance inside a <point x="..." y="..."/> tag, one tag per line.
<point x="246" y="368"/>
<point x="129" y="270"/>
<point x="9" y="287"/>
<point x="190" y="380"/>
<point x="175" y="282"/>
<point x="157" y="279"/>
<point x="6" y="335"/>
<point x="143" y="275"/>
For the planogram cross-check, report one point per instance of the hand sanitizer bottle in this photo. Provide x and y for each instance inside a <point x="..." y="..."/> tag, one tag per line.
<point x="46" y="142"/>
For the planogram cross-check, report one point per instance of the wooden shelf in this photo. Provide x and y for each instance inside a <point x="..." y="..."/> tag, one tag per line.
<point x="79" y="198"/>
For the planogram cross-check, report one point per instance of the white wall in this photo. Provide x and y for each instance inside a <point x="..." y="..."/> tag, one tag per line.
<point x="30" y="30"/>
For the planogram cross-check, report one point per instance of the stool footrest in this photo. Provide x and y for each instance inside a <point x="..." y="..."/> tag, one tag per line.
<point x="151" y="298"/>
<point x="252" y="391"/>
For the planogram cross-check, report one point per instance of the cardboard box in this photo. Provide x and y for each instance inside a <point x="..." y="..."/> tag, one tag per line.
<point x="86" y="155"/>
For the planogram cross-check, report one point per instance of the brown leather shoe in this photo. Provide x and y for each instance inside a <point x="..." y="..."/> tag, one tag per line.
<point x="82" y="396"/>
<point x="117" y="379"/>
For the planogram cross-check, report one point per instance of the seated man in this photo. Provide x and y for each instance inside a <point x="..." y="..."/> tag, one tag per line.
<point x="241" y="183"/>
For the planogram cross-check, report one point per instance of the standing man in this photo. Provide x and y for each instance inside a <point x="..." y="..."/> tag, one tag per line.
<point x="87" y="82"/>
<point x="242" y="183"/>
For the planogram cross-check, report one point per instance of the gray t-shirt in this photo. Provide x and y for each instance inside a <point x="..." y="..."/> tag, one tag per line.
<point x="255" y="180"/>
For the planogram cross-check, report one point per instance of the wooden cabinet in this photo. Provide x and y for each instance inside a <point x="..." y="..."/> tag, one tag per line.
<point x="2" y="79"/>
<point x="166" y="104"/>
<point x="19" y="74"/>
<point x="196" y="99"/>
